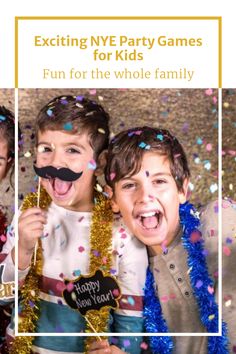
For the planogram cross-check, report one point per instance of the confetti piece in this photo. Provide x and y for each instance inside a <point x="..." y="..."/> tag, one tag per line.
<point x="81" y="249"/>
<point x="213" y="188"/>
<point x="228" y="303"/>
<point x="68" y="126"/>
<point x="116" y="292"/>
<point x="211" y="317"/>
<point x="80" y="219"/>
<point x="197" y="160"/>
<point x="79" y="105"/>
<point x="210" y="289"/>
<point x="199" y="283"/>
<point x="199" y="141"/>
<point x="195" y="236"/>
<point x="191" y="186"/>
<point x="226" y="105"/>
<point x="73" y="296"/>
<point x="112" y="176"/>
<point x="98" y="187"/>
<point x="214" y="99"/>
<point x="100" y="98"/>
<point x="226" y="251"/>
<point x="96" y="253"/>
<point x="126" y="343"/>
<point x="77" y="272"/>
<point x="208" y="147"/>
<point x="131" y="300"/>
<point x="92" y="165"/>
<point x="93" y="92"/>
<point x="49" y="112"/>
<point x="136" y="132"/>
<point x="164" y="298"/>
<point x="144" y="346"/>
<point x="123" y="236"/>
<point x="2" y="118"/>
<point x="142" y="145"/>
<point x="79" y="98"/>
<point x="102" y="131"/>
<point x="160" y="137"/>
<point x="70" y="287"/>
<point x="147" y="173"/>
<point x="229" y="240"/>
<point x="27" y="154"/>
<point x="207" y="165"/>
<point x="209" y="92"/>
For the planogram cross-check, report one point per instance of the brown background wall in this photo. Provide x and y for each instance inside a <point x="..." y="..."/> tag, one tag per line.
<point x="190" y="114"/>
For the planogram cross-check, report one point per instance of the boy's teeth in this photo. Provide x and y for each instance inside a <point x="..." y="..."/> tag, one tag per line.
<point x="146" y="215"/>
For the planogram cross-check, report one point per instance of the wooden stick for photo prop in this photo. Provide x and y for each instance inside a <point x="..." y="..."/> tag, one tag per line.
<point x="38" y="200"/>
<point x="92" y="292"/>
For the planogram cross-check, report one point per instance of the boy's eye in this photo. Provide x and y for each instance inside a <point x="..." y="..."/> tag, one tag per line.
<point x="159" y="181"/>
<point x="44" y="149"/>
<point x="128" y="185"/>
<point x="73" y="151"/>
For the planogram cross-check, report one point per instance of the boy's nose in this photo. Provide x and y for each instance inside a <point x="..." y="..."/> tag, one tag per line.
<point x="145" y="194"/>
<point x="57" y="160"/>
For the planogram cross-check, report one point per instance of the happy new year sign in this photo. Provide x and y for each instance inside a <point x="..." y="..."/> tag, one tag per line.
<point x="92" y="292"/>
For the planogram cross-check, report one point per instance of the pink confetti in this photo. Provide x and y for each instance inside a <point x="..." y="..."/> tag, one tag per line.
<point x="143" y="346"/>
<point x="214" y="99"/>
<point x="112" y="176"/>
<point x="3" y="238"/>
<point x="208" y="147"/>
<point x="93" y="92"/>
<point x="123" y="235"/>
<point x="227" y="250"/>
<point x="209" y="92"/>
<point x="81" y="249"/>
<point x="70" y="287"/>
<point x="164" y="298"/>
<point x="122" y="230"/>
<point x="116" y="292"/>
<point x="195" y="236"/>
<point x="210" y="289"/>
<point x="104" y="260"/>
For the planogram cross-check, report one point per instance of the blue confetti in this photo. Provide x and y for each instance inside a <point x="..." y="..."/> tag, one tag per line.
<point x="68" y="126"/>
<point x="160" y="137"/>
<point x="49" y="112"/>
<point x="2" y="118"/>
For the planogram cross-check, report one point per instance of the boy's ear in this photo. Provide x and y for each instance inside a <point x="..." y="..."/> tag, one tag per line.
<point x="111" y="196"/>
<point x="184" y="192"/>
<point x="101" y="163"/>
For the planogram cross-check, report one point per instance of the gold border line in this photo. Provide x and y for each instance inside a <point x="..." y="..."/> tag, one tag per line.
<point x="207" y="18"/>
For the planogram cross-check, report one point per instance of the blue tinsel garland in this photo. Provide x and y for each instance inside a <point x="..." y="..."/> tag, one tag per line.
<point x="208" y="309"/>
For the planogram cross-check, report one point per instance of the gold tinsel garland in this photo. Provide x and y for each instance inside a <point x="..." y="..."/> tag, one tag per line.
<point x="100" y="258"/>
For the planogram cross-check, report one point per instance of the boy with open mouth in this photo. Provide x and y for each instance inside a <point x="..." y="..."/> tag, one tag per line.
<point x="75" y="233"/>
<point x="147" y="175"/>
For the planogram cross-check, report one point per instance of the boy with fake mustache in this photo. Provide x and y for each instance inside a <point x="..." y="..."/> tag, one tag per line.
<point x="71" y="233"/>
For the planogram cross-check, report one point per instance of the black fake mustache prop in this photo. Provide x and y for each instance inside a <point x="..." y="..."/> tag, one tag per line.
<point x="64" y="174"/>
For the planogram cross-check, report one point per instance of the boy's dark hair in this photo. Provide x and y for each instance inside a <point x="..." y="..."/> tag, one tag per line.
<point x="127" y="148"/>
<point x="73" y="115"/>
<point x="7" y="129"/>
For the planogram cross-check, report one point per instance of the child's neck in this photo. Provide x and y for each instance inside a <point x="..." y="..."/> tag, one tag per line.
<point x="160" y="249"/>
